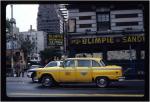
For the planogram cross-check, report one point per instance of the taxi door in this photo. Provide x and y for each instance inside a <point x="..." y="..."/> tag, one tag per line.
<point x="68" y="71"/>
<point x="84" y="71"/>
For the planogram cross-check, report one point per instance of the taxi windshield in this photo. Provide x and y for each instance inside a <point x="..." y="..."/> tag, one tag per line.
<point x="51" y="64"/>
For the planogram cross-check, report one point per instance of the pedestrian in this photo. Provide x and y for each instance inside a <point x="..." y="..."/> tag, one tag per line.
<point x="18" y="69"/>
<point x="22" y="68"/>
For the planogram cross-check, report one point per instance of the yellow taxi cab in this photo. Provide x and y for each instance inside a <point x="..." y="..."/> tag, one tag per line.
<point x="87" y="70"/>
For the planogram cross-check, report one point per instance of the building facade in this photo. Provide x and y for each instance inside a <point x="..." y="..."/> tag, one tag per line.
<point x="98" y="18"/>
<point x="39" y="38"/>
<point x="114" y="32"/>
<point x="51" y="18"/>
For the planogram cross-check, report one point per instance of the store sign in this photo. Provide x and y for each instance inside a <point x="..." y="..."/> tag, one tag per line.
<point x="108" y="40"/>
<point x="54" y="39"/>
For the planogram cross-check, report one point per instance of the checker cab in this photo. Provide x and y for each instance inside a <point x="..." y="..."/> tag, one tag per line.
<point x="84" y="70"/>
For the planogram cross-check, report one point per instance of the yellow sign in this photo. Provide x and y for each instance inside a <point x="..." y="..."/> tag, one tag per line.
<point x="55" y="40"/>
<point x="133" y="39"/>
<point x="108" y="40"/>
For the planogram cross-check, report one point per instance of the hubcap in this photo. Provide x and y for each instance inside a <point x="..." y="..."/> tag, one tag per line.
<point x="101" y="82"/>
<point x="47" y="82"/>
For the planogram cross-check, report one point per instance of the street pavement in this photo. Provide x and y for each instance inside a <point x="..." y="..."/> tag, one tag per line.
<point x="24" y="87"/>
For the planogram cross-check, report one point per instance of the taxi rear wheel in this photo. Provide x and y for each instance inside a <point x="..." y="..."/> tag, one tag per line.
<point x="47" y="81"/>
<point x="102" y="82"/>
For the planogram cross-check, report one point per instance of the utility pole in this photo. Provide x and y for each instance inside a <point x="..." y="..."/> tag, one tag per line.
<point x="64" y="36"/>
<point x="12" y="21"/>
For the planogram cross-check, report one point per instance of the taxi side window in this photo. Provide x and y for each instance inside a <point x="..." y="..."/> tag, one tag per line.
<point x="84" y="63"/>
<point x="69" y="63"/>
<point x="95" y="64"/>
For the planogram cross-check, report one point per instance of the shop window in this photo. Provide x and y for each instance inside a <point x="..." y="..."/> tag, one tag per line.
<point x="121" y="55"/>
<point x="142" y="54"/>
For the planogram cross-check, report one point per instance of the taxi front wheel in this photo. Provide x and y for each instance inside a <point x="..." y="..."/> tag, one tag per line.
<point x="102" y="82"/>
<point x="47" y="81"/>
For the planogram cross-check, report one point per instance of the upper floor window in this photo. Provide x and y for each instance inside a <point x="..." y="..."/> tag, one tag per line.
<point x="126" y="15"/>
<point x="126" y="23"/>
<point x="103" y="21"/>
<point x="85" y="17"/>
<point x="103" y="17"/>
<point x="85" y="25"/>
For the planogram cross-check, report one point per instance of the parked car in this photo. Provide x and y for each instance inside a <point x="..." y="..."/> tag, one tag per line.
<point x="33" y="68"/>
<point x="80" y="70"/>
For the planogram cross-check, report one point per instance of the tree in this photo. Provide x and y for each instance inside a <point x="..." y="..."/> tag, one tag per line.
<point x="26" y="46"/>
<point x="8" y="29"/>
<point x="49" y="54"/>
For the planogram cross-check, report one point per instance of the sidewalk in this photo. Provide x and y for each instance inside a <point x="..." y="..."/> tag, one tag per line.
<point x="17" y="79"/>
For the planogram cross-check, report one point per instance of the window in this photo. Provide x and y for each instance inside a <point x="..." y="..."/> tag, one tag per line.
<point x="126" y="23"/>
<point x="95" y="64"/>
<point x="72" y="25"/>
<point x="103" y="21"/>
<point x="84" y="63"/>
<point x="121" y="55"/>
<point x="103" y="17"/>
<point x="51" y="64"/>
<point x="85" y="25"/>
<point x="84" y="17"/>
<point x="126" y="15"/>
<point x="142" y="54"/>
<point x="103" y="26"/>
<point x="69" y="63"/>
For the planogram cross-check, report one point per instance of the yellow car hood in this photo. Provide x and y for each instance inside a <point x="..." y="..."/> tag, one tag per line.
<point x="48" y="68"/>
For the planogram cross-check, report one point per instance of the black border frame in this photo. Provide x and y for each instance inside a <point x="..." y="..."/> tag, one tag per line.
<point x="3" y="74"/>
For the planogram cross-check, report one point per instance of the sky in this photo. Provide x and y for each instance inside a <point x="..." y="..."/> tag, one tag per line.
<point x="25" y="15"/>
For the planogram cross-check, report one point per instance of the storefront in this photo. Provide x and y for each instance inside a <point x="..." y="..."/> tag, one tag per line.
<point x="125" y="49"/>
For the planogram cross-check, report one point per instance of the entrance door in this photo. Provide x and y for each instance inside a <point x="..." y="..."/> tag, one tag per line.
<point x="68" y="72"/>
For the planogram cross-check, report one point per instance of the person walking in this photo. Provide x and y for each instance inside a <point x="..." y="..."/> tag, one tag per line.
<point x="22" y="67"/>
<point x="18" y="69"/>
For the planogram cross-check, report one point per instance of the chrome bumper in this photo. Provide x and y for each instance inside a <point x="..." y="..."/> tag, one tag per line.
<point x="29" y="74"/>
<point x="121" y="78"/>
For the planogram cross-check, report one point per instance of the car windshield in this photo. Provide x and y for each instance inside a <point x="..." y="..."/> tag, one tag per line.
<point x="53" y="64"/>
<point x="35" y="66"/>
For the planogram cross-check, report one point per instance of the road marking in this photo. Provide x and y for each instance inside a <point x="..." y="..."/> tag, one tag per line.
<point x="75" y="95"/>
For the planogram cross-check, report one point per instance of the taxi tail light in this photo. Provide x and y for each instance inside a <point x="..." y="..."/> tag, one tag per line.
<point x="122" y="70"/>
